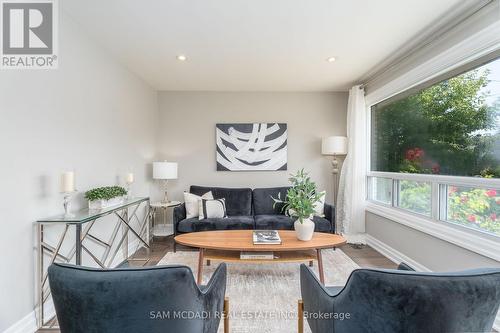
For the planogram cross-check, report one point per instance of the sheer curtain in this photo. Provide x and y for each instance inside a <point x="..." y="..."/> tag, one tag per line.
<point x="352" y="185"/>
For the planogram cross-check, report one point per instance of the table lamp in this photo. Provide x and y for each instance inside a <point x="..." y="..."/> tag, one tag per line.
<point x="165" y="171"/>
<point x="334" y="146"/>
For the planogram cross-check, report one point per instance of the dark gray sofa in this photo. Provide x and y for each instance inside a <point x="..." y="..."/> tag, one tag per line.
<point x="247" y="209"/>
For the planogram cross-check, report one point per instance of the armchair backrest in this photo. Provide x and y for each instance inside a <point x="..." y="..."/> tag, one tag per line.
<point x="406" y="301"/>
<point x="149" y="299"/>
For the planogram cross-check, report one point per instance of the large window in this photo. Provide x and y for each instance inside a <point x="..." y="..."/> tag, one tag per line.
<point x="448" y="127"/>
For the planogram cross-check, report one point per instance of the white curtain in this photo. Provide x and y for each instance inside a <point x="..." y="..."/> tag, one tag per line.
<point x="352" y="185"/>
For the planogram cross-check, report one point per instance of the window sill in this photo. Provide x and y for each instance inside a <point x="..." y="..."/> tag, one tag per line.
<point x="466" y="239"/>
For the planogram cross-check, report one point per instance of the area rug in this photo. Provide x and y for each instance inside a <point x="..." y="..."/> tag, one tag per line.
<point x="263" y="297"/>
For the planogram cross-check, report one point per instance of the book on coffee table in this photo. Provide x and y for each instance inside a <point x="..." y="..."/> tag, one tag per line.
<point x="252" y="255"/>
<point x="266" y="237"/>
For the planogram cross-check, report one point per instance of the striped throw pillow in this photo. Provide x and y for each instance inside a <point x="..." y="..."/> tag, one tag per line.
<point x="212" y="208"/>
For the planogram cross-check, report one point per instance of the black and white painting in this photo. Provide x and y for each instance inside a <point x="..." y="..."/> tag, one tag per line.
<point x="251" y="147"/>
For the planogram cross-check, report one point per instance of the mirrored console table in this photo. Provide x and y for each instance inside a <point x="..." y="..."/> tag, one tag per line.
<point x="102" y="252"/>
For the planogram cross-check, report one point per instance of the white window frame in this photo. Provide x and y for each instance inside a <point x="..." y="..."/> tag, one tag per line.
<point x="473" y="48"/>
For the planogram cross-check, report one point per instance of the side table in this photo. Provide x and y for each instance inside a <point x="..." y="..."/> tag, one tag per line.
<point x="165" y="228"/>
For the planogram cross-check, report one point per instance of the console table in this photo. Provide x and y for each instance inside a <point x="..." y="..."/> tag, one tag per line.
<point x="82" y="222"/>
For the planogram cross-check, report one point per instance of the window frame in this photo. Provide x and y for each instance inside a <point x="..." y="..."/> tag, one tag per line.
<point x="472" y="52"/>
<point x="481" y="242"/>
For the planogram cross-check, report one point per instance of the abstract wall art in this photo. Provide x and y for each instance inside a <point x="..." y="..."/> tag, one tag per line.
<point x="251" y="147"/>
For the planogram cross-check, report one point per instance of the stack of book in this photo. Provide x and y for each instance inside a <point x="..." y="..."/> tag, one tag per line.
<point x="266" y="237"/>
<point x="262" y="237"/>
<point x="252" y="255"/>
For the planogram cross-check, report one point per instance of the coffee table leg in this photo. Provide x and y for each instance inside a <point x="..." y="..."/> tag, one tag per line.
<point x="320" y="266"/>
<point x="200" y="266"/>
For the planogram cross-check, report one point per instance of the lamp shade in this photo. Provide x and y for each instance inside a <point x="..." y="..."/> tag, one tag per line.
<point x="164" y="170"/>
<point x="334" y="145"/>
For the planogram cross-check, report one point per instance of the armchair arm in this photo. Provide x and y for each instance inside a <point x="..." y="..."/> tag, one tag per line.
<point x="213" y="299"/>
<point x="179" y="215"/>
<point x="316" y="299"/>
<point x="404" y="267"/>
<point x="329" y="212"/>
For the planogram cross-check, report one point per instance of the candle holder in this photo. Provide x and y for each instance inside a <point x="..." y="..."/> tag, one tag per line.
<point x="66" y="200"/>
<point x="128" y="188"/>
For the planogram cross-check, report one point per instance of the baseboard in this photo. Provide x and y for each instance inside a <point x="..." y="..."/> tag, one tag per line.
<point x="397" y="257"/>
<point x="393" y="254"/>
<point x="26" y="325"/>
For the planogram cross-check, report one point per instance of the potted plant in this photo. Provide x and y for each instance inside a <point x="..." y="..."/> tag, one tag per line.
<point x="299" y="202"/>
<point x="103" y="197"/>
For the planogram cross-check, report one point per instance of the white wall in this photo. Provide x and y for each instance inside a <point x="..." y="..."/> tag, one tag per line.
<point x="90" y="115"/>
<point x="429" y="251"/>
<point x="187" y="134"/>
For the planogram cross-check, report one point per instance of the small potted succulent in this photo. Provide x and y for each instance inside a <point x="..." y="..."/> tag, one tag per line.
<point x="299" y="202"/>
<point x="103" y="197"/>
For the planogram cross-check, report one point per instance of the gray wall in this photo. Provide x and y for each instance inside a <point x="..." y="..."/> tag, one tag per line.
<point x="427" y="250"/>
<point x="90" y="115"/>
<point x="187" y="134"/>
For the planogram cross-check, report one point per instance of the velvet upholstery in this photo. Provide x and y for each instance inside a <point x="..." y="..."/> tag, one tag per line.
<point x="247" y="209"/>
<point x="273" y="222"/>
<point x="404" y="301"/>
<point x="282" y="222"/>
<point x="404" y="267"/>
<point x="238" y="200"/>
<point x="229" y="223"/>
<point x="89" y="300"/>
<point x="329" y="212"/>
<point x="263" y="202"/>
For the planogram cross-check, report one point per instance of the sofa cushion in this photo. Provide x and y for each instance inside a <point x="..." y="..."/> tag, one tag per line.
<point x="282" y="222"/>
<point x="229" y="223"/>
<point x="273" y="222"/>
<point x="263" y="202"/>
<point x="322" y="224"/>
<point x="238" y="200"/>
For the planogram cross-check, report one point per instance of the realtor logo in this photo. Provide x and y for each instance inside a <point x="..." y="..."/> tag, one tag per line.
<point x="29" y="34"/>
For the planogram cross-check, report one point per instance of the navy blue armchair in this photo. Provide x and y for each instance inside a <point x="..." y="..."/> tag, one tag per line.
<point x="401" y="301"/>
<point x="147" y="299"/>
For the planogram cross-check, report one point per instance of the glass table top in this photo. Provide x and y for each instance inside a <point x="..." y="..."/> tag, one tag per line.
<point x="86" y="215"/>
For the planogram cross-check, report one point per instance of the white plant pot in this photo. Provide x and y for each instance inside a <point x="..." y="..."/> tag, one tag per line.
<point x="304" y="230"/>
<point x="101" y="204"/>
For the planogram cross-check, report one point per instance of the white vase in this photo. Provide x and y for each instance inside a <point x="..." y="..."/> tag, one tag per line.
<point x="304" y="230"/>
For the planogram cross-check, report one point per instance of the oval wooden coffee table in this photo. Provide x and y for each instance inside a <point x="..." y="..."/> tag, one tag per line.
<point x="226" y="246"/>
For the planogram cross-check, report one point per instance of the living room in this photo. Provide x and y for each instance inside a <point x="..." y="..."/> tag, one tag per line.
<point x="146" y="144"/>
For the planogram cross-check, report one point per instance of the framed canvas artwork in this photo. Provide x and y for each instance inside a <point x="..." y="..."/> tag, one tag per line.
<point x="251" y="147"/>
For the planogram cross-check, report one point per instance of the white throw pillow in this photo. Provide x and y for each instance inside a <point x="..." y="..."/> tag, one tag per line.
<point x="319" y="206"/>
<point x="192" y="202"/>
<point x="212" y="208"/>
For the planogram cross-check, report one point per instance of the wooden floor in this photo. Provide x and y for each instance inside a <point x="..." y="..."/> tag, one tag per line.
<point x="364" y="256"/>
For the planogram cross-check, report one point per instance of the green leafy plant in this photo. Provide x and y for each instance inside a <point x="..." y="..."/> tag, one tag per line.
<point x="105" y="193"/>
<point x="301" y="197"/>
<point x="476" y="208"/>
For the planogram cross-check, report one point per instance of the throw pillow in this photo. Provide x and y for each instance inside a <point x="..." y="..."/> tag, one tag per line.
<point x="319" y="206"/>
<point x="214" y="208"/>
<point x="192" y="202"/>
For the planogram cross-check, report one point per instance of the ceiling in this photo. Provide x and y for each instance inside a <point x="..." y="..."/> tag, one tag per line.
<point x="253" y="45"/>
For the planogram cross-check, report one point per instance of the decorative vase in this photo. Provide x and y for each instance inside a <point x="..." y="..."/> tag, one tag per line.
<point x="304" y="230"/>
